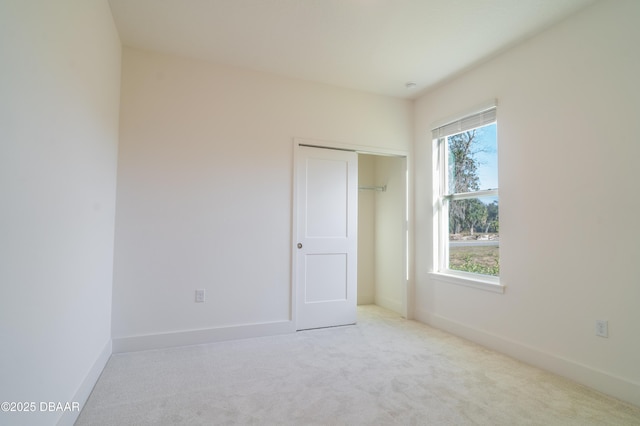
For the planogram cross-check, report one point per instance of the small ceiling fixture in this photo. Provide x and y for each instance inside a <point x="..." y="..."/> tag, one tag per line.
<point x="410" y="84"/>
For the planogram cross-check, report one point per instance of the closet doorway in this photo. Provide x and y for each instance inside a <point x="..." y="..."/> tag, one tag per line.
<point x="382" y="231"/>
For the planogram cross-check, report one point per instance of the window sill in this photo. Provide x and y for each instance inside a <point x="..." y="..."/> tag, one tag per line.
<point x="491" y="284"/>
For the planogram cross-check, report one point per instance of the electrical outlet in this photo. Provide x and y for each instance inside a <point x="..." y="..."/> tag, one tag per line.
<point x="200" y="296"/>
<point x="602" y="328"/>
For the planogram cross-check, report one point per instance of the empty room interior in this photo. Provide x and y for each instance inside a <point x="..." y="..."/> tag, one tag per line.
<point x="203" y="181"/>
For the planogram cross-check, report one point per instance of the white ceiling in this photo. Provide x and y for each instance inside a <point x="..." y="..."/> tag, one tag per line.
<point x="371" y="45"/>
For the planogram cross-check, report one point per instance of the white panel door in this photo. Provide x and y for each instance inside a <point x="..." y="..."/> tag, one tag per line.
<point x="327" y="240"/>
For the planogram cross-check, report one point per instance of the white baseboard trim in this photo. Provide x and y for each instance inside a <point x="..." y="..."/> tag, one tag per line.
<point x="392" y="305"/>
<point x="197" y="337"/>
<point x="617" y="387"/>
<point x="85" y="389"/>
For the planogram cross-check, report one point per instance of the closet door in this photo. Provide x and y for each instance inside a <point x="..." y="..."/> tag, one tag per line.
<point x="327" y="241"/>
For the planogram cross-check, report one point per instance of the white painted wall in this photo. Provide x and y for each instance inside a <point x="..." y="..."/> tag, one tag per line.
<point x="205" y="187"/>
<point x="59" y="100"/>
<point x="568" y="101"/>
<point x="366" y="230"/>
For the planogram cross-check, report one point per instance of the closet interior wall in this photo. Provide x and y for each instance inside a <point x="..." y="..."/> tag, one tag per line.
<point x="381" y="231"/>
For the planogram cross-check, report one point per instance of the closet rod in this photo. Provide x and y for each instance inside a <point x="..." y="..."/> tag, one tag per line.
<point x="374" y="188"/>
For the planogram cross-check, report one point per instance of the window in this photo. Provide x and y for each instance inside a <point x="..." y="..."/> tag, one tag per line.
<point x="466" y="199"/>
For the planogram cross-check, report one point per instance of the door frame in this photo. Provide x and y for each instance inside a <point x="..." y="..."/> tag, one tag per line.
<point x="408" y="290"/>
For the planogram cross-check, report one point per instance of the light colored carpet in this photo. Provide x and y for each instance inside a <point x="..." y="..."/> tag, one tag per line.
<point x="382" y="371"/>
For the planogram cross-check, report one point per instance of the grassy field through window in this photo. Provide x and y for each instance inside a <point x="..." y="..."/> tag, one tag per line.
<point x="476" y="259"/>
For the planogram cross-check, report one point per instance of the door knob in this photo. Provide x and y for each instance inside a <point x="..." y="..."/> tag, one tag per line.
<point x="299" y="245"/>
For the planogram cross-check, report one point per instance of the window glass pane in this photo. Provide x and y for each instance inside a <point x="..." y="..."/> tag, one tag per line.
<point x="474" y="235"/>
<point x="473" y="160"/>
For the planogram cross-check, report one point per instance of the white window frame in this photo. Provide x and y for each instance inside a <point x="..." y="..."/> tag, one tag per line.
<point x="478" y="117"/>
